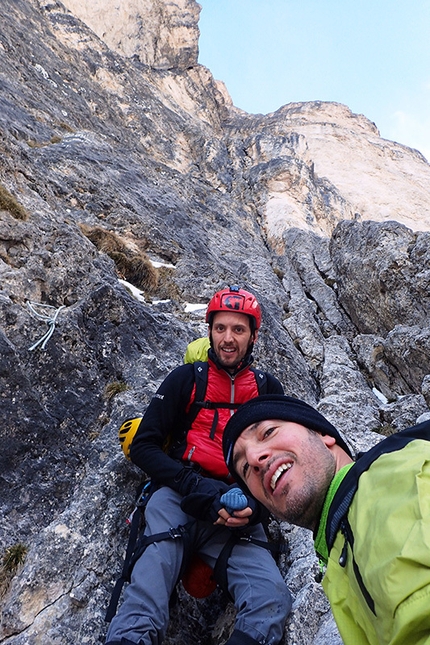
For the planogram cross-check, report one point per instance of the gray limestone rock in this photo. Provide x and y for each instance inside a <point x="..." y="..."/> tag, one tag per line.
<point x="151" y="155"/>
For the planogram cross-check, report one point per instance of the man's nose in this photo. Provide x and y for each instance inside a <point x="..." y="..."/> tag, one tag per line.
<point x="257" y="458"/>
<point x="228" y="334"/>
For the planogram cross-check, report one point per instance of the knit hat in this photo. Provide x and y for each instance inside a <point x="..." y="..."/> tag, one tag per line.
<point x="275" y="406"/>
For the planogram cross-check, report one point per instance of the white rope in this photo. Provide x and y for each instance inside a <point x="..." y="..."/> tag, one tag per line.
<point x="49" y="318"/>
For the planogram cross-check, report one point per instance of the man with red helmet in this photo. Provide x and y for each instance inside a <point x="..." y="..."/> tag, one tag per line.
<point x="189" y="481"/>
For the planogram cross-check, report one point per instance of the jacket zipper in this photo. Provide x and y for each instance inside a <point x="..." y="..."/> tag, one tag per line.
<point x="215" y="419"/>
<point x="345" y="527"/>
<point x="232" y="378"/>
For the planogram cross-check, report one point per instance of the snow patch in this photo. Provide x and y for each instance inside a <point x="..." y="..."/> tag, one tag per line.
<point x="135" y="292"/>
<point x="189" y="307"/>
<point x="379" y="395"/>
<point x="157" y="264"/>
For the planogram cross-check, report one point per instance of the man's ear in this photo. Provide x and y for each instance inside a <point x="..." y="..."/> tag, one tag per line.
<point x="255" y="335"/>
<point x="328" y="440"/>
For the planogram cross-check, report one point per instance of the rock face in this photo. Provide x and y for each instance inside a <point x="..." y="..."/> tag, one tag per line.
<point x="129" y="187"/>
<point x="161" y="34"/>
<point x="312" y="165"/>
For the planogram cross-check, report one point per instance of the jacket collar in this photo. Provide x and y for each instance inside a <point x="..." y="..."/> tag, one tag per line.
<point x="246" y="362"/>
<point x="320" y="542"/>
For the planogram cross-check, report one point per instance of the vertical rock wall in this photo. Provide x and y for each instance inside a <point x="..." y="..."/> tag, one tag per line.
<point x="163" y="35"/>
<point x="128" y="189"/>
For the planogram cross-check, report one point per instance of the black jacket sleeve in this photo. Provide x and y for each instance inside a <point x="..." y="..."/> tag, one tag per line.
<point x="164" y="417"/>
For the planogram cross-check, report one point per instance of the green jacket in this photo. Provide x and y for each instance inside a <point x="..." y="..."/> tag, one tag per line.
<point x="374" y="538"/>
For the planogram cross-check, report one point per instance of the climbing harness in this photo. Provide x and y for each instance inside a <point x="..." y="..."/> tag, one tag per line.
<point x="198" y="578"/>
<point x="136" y="546"/>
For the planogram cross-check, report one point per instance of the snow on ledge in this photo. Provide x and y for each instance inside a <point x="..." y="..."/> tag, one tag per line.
<point x="157" y="264"/>
<point x="189" y="307"/>
<point x="137" y="293"/>
<point x="379" y="395"/>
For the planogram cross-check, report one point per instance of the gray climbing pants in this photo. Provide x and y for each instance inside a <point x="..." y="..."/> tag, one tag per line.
<point x="254" y="582"/>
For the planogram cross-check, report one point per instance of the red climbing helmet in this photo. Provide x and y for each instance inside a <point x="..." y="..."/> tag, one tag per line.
<point x="236" y="300"/>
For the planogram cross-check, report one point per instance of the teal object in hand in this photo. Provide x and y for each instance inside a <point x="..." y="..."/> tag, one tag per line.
<point x="234" y="500"/>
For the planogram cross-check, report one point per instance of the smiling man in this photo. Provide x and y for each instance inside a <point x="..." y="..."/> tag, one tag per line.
<point x="370" y="518"/>
<point x="285" y="465"/>
<point x="185" y="515"/>
<point x="283" y="475"/>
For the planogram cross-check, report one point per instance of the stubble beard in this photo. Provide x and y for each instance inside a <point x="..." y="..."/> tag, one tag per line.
<point x="303" y="507"/>
<point x="225" y="363"/>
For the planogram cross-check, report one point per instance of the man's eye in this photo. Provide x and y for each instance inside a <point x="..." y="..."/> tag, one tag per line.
<point x="245" y="469"/>
<point x="268" y="432"/>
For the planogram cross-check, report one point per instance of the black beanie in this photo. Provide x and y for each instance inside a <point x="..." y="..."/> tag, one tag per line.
<point x="275" y="406"/>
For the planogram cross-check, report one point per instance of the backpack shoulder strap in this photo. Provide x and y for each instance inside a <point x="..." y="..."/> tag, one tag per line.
<point x="346" y="491"/>
<point x="201" y="379"/>
<point x="201" y="382"/>
<point x="261" y="380"/>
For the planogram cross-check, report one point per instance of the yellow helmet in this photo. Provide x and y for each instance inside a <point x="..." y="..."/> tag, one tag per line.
<point x="126" y="434"/>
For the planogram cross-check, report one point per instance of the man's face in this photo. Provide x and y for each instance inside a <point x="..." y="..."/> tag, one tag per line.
<point x="287" y="467"/>
<point x="231" y="337"/>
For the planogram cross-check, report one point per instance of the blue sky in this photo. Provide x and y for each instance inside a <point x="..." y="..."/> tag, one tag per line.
<point x="372" y="56"/>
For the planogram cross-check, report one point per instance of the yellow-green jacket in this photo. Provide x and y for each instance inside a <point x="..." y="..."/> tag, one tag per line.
<point x="374" y="537"/>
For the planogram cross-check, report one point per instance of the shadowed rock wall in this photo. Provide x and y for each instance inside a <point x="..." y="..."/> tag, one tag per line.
<point x="128" y="190"/>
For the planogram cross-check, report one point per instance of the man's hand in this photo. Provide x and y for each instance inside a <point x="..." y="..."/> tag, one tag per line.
<point x="203" y="502"/>
<point x="210" y="497"/>
<point x="236" y="511"/>
<point x="236" y="519"/>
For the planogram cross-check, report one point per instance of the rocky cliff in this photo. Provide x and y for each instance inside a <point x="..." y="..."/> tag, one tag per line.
<point x="131" y="187"/>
